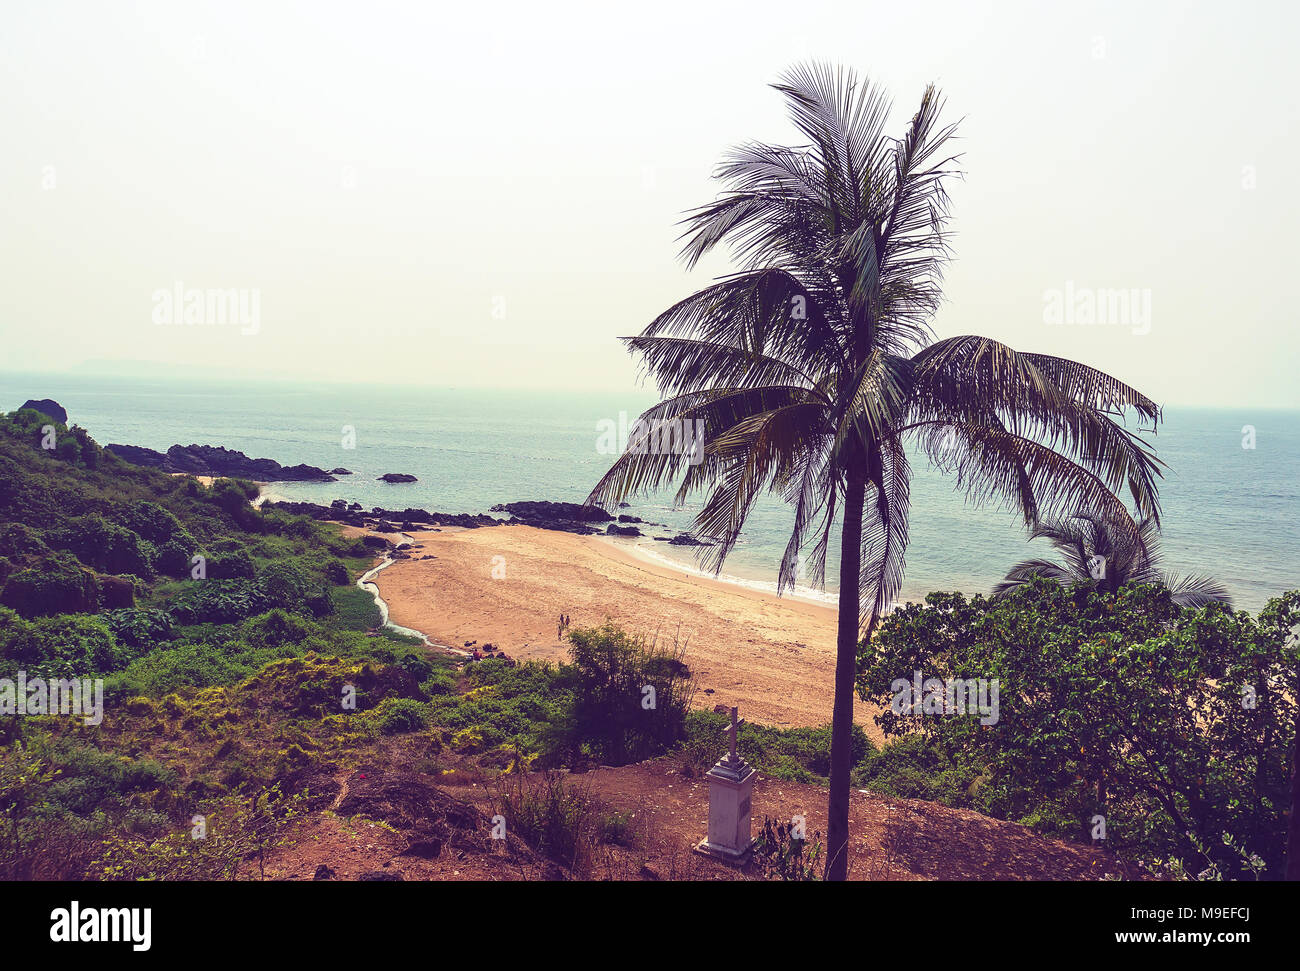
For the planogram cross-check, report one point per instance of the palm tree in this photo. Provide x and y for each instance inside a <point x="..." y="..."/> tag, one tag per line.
<point x="1097" y="549"/>
<point x="809" y="369"/>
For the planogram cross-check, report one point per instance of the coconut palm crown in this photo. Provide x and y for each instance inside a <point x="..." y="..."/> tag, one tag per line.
<point x="812" y="368"/>
<point x="1095" y="549"/>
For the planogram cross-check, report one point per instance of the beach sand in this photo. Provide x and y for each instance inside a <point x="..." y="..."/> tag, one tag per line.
<point x="773" y="657"/>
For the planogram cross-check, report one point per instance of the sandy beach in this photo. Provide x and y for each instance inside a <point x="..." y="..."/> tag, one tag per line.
<point x="773" y="657"/>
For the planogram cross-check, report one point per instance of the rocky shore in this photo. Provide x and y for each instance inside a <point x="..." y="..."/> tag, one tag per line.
<point x="216" y="461"/>
<point x="565" y="517"/>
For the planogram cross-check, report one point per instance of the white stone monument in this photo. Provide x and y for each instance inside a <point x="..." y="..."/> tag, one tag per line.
<point x="731" y="791"/>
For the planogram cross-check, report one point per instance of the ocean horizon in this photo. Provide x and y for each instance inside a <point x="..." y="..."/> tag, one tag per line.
<point x="1225" y="506"/>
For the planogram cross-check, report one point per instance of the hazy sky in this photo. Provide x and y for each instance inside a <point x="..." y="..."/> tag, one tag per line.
<point x="487" y="194"/>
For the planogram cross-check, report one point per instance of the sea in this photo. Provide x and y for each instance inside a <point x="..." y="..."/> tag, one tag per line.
<point x="1229" y="495"/>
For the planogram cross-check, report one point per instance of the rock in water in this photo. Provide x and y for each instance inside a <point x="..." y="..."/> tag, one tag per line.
<point x="570" y="517"/>
<point x="397" y="477"/>
<point x="545" y="510"/>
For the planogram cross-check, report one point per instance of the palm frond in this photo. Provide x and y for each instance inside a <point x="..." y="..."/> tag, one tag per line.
<point x="884" y="532"/>
<point x="1196" y="591"/>
<point x="1026" y="570"/>
<point x="981" y="380"/>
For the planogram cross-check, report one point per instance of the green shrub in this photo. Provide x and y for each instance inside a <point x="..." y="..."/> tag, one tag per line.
<point x="355" y="609"/>
<point x="106" y="546"/>
<point x="60" y="647"/>
<point x="139" y="626"/>
<point x="22" y="541"/>
<point x="917" y="767"/>
<point x="1120" y="704"/>
<point x="55" y="585"/>
<point x="795" y="754"/>
<point x="557" y="818"/>
<point x="231" y="565"/>
<point x="630" y="697"/>
<point x="174" y="558"/>
<point x="275" y="628"/>
<point x="154" y="523"/>
<point x="116" y="592"/>
<point x="394" y="716"/>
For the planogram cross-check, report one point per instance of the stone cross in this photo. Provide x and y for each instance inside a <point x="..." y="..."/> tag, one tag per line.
<point x="731" y="789"/>
<point x="731" y="730"/>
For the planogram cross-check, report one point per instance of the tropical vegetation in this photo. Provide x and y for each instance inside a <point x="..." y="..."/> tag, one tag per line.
<point x="812" y="369"/>
<point x="1100" y="550"/>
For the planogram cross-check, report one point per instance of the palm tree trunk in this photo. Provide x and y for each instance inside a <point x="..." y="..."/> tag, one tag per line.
<point x="846" y="662"/>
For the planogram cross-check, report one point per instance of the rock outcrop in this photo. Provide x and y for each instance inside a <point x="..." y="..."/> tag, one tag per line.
<point x="217" y="461"/>
<point x="683" y="539"/>
<point x="47" y="406"/>
<point x="381" y="519"/>
<point x="568" y="517"/>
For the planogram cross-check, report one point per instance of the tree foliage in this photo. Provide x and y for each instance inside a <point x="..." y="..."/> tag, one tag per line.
<point x="1175" y="725"/>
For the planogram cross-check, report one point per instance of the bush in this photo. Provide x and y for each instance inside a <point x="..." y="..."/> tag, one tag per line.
<point x="60" y="647"/>
<point x="220" y="602"/>
<point x="1119" y="703"/>
<point x="795" y="754"/>
<point x="55" y="585"/>
<point x="174" y="558"/>
<point x="154" y="523"/>
<point x="917" y="767"/>
<point x="184" y="664"/>
<point x="394" y="716"/>
<point x="558" y="819"/>
<point x="106" y="546"/>
<point x="630" y="698"/>
<point x="290" y="585"/>
<point x="240" y="833"/>
<point x="275" y="628"/>
<point x="233" y="496"/>
<point x="22" y="541"/>
<point x="139" y="626"/>
<point x="233" y="565"/>
<point x="420" y="667"/>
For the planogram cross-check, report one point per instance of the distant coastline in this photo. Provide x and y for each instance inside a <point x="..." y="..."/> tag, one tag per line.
<point x="471" y="450"/>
